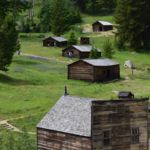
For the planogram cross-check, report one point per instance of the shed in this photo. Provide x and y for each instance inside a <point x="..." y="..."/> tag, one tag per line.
<point x="84" y="40"/>
<point x="78" y="51"/>
<point x="125" y="95"/>
<point x="99" y="70"/>
<point x="102" y="26"/>
<point x="76" y="123"/>
<point x="55" y="41"/>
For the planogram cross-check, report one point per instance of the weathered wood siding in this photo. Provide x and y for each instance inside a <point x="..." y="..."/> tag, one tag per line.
<point x="81" y="71"/>
<point x="51" y="140"/>
<point x="119" y="117"/>
<point x="97" y="27"/>
<point x="51" y="42"/>
<point x="75" y="52"/>
<point x="106" y="73"/>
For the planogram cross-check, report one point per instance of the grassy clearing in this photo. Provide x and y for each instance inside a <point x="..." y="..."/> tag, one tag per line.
<point x="31" y="87"/>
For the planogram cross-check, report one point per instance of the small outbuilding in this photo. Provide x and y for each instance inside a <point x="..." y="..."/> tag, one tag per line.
<point x="55" y="41"/>
<point x="99" y="70"/>
<point x="125" y="95"/>
<point x="76" y="123"/>
<point x="84" y="40"/>
<point x="78" y="51"/>
<point x="102" y="26"/>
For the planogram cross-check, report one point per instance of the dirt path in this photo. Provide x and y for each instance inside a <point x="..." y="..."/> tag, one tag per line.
<point x="5" y="124"/>
<point x="32" y="56"/>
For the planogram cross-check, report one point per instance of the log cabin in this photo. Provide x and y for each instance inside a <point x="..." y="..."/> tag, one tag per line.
<point x="55" y="41"/>
<point x="94" y="70"/>
<point x="78" y="51"/>
<point x="76" y="123"/>
<point x="99" y="26"/>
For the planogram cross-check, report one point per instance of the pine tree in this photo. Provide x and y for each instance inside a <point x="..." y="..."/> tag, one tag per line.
<point x="58" y="19"/>
<point x="8" y="42"/>
<point x="95" y="54"/>
<point x="107" y="49"/>
<point x="72" y="39"/>
<point x="133" y="19"/>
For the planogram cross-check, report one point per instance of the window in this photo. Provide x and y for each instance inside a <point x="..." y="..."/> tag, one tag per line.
<point x="135" y="135"/>
<point x="107" y="138"/>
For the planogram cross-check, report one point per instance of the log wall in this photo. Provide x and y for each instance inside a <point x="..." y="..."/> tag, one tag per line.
<point x="120" y="118"/>
<point x="80" y="71"/>
<point x="51" y="140"/>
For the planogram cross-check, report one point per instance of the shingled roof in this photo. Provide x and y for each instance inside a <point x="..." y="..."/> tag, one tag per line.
<point x="101" y="62"/>
<point x="59" y="39"/>
<point x="105" y="23"/>
<point x="69" y="115"/>
<point x="83" y="48"/>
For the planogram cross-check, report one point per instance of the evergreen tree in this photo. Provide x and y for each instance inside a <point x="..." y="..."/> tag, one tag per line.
<point x="95" y="54"/>
<point x="62" y="14"/>
<point x="107" y="49"/>
<point x="72" y="39"/>
<point x="8" y="42"/>
<point x="133" y="19"/>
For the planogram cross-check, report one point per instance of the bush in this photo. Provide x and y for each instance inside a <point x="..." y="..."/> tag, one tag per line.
<point x="107" y="49"/>
<point x="72" y="39"/>
<point x="95" y="54"/>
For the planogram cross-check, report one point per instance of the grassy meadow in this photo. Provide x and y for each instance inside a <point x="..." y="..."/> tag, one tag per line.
<point x="31" y="87"/>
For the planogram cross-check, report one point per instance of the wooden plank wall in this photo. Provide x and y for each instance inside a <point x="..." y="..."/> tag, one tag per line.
<point x="80" y="71"/>
<point x="119" y="118"/>
<point x="51" y="140"/>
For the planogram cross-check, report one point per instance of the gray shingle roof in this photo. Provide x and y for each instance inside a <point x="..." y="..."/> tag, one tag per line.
<point x="69" y="115"/>
<point x="104" y="23"/>
<point x="101" y="62"/>
<point x="83" y="48"/>
<point x="59" y="39"/>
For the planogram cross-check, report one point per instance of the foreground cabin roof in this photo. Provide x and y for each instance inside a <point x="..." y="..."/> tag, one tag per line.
<point x="105" y="23"/>
<point x="70" y="115"/>
<point x="99" y="62"/>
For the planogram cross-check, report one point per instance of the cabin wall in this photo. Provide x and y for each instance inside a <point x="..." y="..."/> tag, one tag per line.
<point x="51" y="140"/>
<point x="106" y="73"/>
<point x="80" y="71"/>
<point x="97" y="27"/>
<point x="75" y="53"/>
<point x="119" y="118"/>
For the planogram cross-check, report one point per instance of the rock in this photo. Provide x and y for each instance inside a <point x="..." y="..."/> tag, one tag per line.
<point x="129" y="64"/>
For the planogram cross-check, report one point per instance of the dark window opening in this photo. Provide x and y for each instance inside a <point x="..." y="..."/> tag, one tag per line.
<point x="134" y="135"/>
<point x="106" y="138"/>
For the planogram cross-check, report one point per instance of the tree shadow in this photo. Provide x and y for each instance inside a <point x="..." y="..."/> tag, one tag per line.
<point x="12" y="81"/>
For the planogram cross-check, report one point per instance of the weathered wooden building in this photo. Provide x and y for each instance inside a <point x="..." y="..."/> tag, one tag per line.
<point x="102" y="26"/>
<point x="55" y="41"/>
<point x="76" y="123"/>
<point x="84" y="40"/>
<point x="99" y="70"/>
<point x="78" y="51"/>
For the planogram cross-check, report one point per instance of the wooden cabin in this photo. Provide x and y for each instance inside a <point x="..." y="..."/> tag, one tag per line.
<point x="78" y="51"/>
<point x="99" y="26"/>
<point x="99" y="70"/>
<point x="84" y="40"/>
<point x="55" y="41"/>
<point x="76" y="123"/>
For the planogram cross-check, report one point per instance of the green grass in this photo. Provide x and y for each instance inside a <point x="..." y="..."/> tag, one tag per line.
<point x="31" y="87"/>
